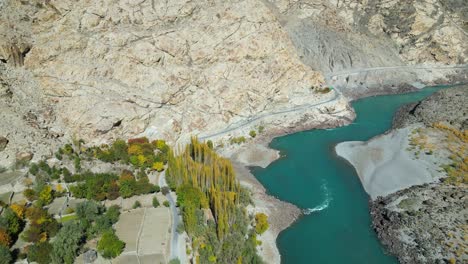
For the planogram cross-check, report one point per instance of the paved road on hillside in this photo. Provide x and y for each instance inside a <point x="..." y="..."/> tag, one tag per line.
<point x="250" y="120"/>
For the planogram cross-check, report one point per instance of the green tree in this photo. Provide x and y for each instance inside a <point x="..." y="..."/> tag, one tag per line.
<point x="113" y="213"/>
<point x="110" y="246"/>
<point x="67" y="242"/>
<point x="252" y="133"/>
<point x="40" y="252"/>
<point x="5" y="255"/>
<point x="88" y="210"/>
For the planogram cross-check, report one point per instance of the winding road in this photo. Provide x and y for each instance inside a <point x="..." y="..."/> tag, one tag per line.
<point x="328" y="77"/>
<point x="175" y="249"/>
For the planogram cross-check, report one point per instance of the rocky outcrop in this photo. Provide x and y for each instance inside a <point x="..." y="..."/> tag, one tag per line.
<point x="427" y="223"/>
<point x="446" y="105"/>
<point x="112" y="69"/>
<point x="424" y="224"/>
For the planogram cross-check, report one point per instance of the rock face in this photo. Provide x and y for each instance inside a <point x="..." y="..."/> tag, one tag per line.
<point x="424" y="224"/>
<point x="446" y="105"/>
<point x="117" y="68"/>
<point x="427" y="223"/>
<point x="361" y="46"/>
<point x="104" y="69"/>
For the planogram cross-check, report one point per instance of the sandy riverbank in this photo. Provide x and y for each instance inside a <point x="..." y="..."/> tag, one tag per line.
<point x="384" y="163"/>
<point x="257" y="153"/>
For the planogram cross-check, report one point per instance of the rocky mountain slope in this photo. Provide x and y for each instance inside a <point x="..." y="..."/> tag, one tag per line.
<point x="104" y="69"/>
<point x="341" y="38"/>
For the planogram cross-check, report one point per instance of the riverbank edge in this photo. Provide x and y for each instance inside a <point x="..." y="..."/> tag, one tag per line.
<point x="288" y="212"/>
<point x="281" y="214"/>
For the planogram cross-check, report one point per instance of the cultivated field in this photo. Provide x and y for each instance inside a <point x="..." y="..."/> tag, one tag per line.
<point x="146" y="234"/>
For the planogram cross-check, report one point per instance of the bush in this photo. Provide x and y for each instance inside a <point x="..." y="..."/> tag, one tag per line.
<point x="30" y="194"/>
<point x="165" y="190"/>
<point x="180" y="228"/>
<point x="237" y="140"/>
<point x="155" y="202"/>
<point x="210" y="144"/>
<point x="136" y="205"/>
<point x="261" y="129"/>
<point x="174" y="261"/>
<point x="34" y="169"/>
<point x="110" y="246"/>
<point x="252" y="133"/>
<point x="261" y="223"/>
<point x="166" y="203"/>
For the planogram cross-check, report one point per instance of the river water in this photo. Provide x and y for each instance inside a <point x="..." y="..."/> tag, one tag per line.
<point x="336" y="227"/>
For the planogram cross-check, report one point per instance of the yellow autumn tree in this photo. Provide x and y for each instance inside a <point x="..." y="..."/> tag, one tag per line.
<point x="158" y="166"/>
<point x="46" y="195"/>
<point x="18" y="209"/>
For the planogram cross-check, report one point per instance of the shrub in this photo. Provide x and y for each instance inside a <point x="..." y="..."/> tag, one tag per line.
<point x="261" y="223"/>
<point x="174" y="261"/>
<point x="237" y="140"/>
<point x="155" y="202"/>
<point x="166" y="203"/>
<point x="180" y="228"/>
<point x="165" y="190"/>
<point x="30" y="194"/>
<point x="210" y="144"/>
<point x="136" y="205"/>
<point x="34" y="169"/>
<point x="252" y="133"/>
<point x="110" y="246"/>
<point x="261" y="129"/>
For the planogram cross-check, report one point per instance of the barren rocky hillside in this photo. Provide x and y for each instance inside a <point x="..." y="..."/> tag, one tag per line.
<point x="104" y="69"/>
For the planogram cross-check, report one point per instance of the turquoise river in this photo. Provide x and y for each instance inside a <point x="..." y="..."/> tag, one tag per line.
<point x="336" y="228"/>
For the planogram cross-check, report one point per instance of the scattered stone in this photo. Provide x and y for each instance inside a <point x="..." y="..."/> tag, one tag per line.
<point x="24" y="156"/>
<point x="3" y="143"/>
<point x="89" y="256"/>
